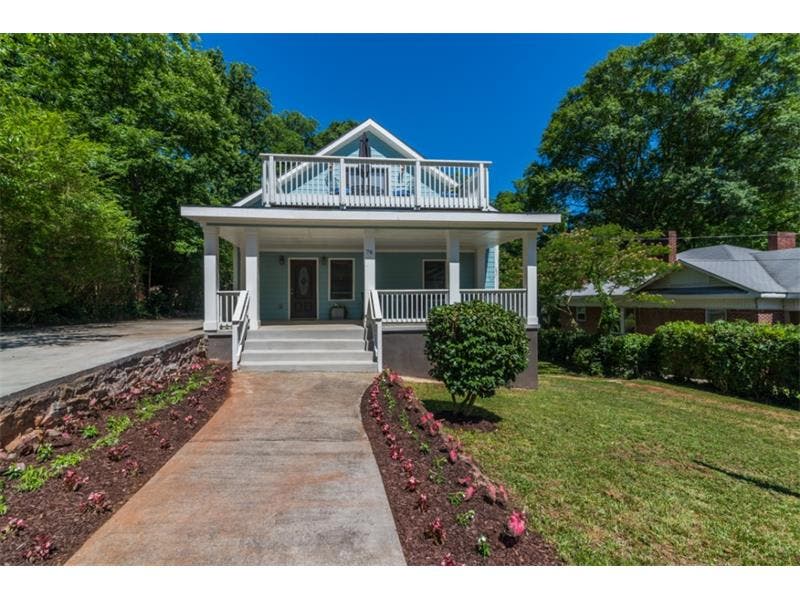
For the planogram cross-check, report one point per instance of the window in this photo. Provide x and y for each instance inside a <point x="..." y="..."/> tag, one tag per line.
<point x="433" y="275"/>
<point x="340" y="278"/>
<point x="580" y="314"/>
<point x="716" y="314"/>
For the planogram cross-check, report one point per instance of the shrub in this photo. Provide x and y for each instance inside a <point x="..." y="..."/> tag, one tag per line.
<point x="681" y="350"/>
<point x="626" y="356"/>
<point x="559" y="345"/>
<point x="475" y="347"/>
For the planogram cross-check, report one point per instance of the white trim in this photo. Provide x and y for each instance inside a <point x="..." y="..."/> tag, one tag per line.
<point x="352" y="280"/>
<point x="430" y="219"/>
<point x="441" y="260"/>
<point x="392" y="140"/>
<point x="289" y="260"/>
<point x="248" y="199"/>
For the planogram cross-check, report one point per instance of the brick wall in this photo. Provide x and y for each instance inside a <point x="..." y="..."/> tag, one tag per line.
<point x="591" y="322"/>
<point x="647" y="319"/>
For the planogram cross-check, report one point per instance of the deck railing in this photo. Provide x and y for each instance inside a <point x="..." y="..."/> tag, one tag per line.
<point x="514" y="300"/>
<point x="413" y="306"/>
<point x="356" y="182"/>
<point x="226" y="304"/>
<point x="373" y="326"/>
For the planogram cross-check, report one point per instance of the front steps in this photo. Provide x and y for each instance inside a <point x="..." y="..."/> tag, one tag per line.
<point x="307" y="347"/>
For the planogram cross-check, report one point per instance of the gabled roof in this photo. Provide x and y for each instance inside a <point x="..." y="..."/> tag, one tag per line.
<point x="745" y="269"/>
<point x="371" y="126"/>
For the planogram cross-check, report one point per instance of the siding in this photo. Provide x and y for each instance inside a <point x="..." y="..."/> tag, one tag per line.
<point x="403" y="270"/>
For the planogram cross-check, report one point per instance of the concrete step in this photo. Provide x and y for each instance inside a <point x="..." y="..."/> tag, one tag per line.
<point x="304" y="344"/>
<point x="328" y="366"/>
<point x="307" y="332"/>
<point x="309" y="355"/>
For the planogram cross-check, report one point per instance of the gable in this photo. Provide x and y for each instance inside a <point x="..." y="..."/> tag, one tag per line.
<point x="381" y="140"/>
<point x="688" y="280"/>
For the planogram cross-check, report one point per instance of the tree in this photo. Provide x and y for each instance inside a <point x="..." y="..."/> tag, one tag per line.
<point x="68" y="249"/>
<point x="611" y="259"/>
<point x="699" y="133"/>
<point x="474" y="347"/>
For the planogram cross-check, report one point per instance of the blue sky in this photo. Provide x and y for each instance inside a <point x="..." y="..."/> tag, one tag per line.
<point x="455" y="96"/>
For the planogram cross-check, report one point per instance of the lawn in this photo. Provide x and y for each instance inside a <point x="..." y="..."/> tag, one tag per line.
<point x="641" y="472"/>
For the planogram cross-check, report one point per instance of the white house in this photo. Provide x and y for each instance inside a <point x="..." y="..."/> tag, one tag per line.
<point x="339" y="256"/>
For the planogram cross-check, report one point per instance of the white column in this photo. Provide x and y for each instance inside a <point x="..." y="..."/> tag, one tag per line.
<point x="480" y="267"/>
<point x="210" y="277"/>
<point x="529" y="275"/>
<point x="369" y="263"/>
<point x="453" y="269"/>
<point x="242" y="267"/>
<point x="251" y="275"/>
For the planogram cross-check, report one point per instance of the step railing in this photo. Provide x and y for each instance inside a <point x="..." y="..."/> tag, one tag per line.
<point x="367" y="182"/>
<point x="514" y="300"/>
<point x="240" y="324"/>
<point x="226" y="304"/>
<point x="373" y="326"/>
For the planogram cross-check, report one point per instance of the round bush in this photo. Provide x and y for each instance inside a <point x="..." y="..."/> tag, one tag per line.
<point x="474" y="348"/>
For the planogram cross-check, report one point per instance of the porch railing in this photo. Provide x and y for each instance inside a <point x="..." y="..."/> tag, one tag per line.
<point x="356" y="182"/>
<point x="373" y="326"/>
<point x="240" y="323"/>
<point x="514" y="300"/>
<point x="413" y="306"/>
<point x="226" y="304"/>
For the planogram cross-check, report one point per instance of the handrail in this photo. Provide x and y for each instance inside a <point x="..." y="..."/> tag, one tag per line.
<point x="240" y="324"/>
<point x="373" y="321"/>
<point x="384" y="159"/>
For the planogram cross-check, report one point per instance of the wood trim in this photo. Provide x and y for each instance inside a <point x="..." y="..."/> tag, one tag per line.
<point x="353" y="279"/>
<point x="289" y="286"/>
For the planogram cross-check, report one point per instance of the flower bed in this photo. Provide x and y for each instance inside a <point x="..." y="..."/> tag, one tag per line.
<point x="59" y="489"/>
<point x="447" y="512"/>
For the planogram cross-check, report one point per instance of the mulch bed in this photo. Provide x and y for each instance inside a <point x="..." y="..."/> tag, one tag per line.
<point x="399" y="428"/>
<point x="66" y="517"/>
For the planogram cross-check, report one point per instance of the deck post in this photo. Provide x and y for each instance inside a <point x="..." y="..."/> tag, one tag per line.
<point x="453" y="269"/>
<point x="210" y="276"/>
<point x="273" y="184"/>
<point x="529" y="274"/>
<point x="369" y="263"/>
<point x="494" y="274"/>
<point x="251" y="275"/>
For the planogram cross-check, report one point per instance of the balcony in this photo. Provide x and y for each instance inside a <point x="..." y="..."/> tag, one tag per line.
<point x="290" y="180"/>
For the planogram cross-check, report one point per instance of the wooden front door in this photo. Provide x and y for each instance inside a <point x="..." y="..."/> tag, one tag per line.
<point x="303" y="289"/>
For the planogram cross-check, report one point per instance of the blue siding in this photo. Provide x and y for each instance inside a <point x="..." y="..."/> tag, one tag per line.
<point x="274" y="285"/>
<point x="398" y="270"/>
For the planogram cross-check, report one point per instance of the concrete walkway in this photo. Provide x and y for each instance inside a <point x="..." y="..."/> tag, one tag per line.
<point x="283" y="474"/>
<point x="33" y="357"/>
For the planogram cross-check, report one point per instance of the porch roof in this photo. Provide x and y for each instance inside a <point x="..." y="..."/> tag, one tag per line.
<point x="401" y="229"/>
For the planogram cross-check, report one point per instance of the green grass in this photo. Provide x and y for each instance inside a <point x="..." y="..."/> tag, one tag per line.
<point x="642" y="472"/>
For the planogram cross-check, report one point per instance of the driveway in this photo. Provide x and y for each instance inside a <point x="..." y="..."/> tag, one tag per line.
<point x="283" y="474"/>
<point x="33" y="357"/>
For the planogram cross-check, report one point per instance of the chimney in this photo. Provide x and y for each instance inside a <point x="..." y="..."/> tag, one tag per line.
<point x="781" y="240"/>
<point x="672" y="243"/>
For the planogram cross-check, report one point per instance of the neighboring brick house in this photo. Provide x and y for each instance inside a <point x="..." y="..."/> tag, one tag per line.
<point x="717" y="282"/>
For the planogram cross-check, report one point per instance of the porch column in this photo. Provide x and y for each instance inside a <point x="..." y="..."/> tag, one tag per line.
<point x="242" y="267"/>
<point x="453" y="269"/>
<point x="251" y="275"/>
<point x="369" y="264"/>
<point x="494" y="274"/>
<point x="529" y="275"/>
<point x="480" y="267"/>
<point x="210" y="276"/>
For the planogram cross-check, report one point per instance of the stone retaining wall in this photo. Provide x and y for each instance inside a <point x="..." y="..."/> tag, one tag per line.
<point x="39" y="406"/>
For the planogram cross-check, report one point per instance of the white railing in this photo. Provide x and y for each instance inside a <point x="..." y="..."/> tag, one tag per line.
<point x="240" y="323"/>
<point x="413" y="306"/>
<point x="226" y="304"/>
<point x="355" y="182"/>
<point x="514" y="300"/>
<point x="373" y="324"/>
<point x="409" y="306"/>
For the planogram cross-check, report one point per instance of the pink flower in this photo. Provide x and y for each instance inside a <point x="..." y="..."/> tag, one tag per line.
<point x="408" y="466"/>
<point x="448" y="560"/>
<point x="428" y="416"/>
<point x="452" y="455"/>
<point x="515" y="526"/>
<point x="469" y="492"/>
<point x="436" y="531"/>
<point x="422" y="502"/>
<point x="385" y="429"/>
<point x="465" y="480"/>
<point x="396" y="453"/>
<point x="412" y="483"/>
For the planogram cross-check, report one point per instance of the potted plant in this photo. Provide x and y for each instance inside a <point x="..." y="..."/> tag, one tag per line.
<point x="338" y="312"/>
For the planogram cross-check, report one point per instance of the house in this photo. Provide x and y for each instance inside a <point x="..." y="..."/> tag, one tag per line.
<point x="716" y="282"/>
<point x="339" y="256"/>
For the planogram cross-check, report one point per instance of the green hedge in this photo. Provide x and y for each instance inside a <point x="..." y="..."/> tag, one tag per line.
<point x="746" y="359"/>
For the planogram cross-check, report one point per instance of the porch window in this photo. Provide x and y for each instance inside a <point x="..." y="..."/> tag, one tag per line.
<point x="434" y="275"/>
<point x="340" y="273"/>
<point x="716" y="314"/>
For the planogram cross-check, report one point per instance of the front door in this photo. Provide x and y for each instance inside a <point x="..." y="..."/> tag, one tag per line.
<point x="302" y="289"/>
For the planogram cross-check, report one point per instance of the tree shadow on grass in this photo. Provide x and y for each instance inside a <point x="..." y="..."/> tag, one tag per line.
<point x="478" y="419"/>
<point x="762" y="483"/>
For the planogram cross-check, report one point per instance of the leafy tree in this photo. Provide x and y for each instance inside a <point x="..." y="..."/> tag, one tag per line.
<point x="610" y="258"/>
<point x="68" y="249"/>
<point x="699" y="133"/>
<point x="474" y="347"/>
